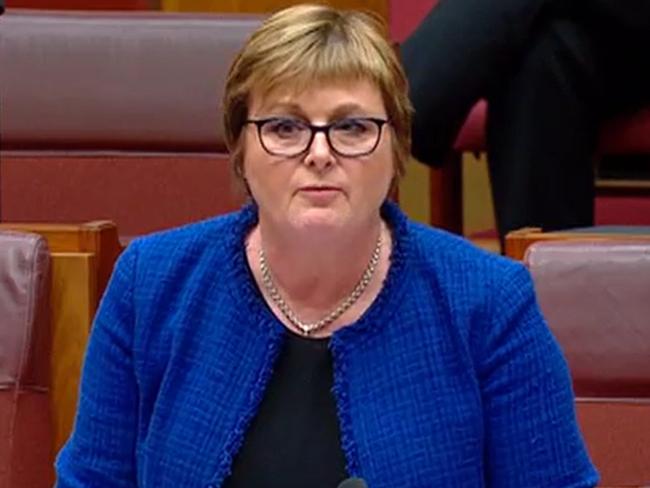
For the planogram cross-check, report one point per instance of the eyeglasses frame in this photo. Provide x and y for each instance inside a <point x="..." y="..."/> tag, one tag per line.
<point x="325" y="128"/>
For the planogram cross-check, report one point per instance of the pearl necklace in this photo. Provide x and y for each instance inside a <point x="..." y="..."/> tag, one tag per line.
<point x="308" y="328"/>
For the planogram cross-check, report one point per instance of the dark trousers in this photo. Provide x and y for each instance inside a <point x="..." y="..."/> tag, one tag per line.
<point x="551" y="70"/>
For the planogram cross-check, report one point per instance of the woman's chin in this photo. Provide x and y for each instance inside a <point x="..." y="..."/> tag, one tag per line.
<point x="314" y="219"/>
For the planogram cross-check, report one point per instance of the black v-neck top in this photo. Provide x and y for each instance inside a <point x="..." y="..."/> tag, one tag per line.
<point x="294" y="440"/>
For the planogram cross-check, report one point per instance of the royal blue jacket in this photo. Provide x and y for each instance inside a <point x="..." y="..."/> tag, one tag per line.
<point x="450" y="379"/>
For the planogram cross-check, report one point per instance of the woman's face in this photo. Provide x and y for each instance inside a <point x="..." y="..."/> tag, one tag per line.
<point x="318" y="188"/>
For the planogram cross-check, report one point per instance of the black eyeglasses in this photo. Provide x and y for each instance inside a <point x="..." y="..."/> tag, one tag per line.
<point x="290" y="137"/>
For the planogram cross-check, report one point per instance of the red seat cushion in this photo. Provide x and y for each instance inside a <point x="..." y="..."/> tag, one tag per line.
<point x="472" y="135"/>
<point x="628" y="134"/>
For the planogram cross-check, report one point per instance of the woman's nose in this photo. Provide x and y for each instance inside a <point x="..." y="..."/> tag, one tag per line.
<point x="319" y="153"/>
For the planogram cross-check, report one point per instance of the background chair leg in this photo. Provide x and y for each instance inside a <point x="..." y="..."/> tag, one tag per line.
<point x="447" y="195"/>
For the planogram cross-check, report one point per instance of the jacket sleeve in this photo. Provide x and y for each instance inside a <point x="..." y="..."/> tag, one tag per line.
<point x="532" y="437"/>
<point x="101" y="449"/>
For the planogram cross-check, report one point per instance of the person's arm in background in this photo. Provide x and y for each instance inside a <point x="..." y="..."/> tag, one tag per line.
<point x="101" y="450"/>
<point x="532" y="437"/>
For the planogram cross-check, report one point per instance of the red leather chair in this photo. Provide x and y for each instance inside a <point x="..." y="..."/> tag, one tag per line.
<point x="116" y="116"/>
<point x="595" y="296"/>
<point x="619" y="136"/>
<point x="25" y="419"/>
<point x="625" y="135"/>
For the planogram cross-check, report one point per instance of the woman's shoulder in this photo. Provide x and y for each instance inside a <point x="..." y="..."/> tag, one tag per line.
<point x="214" y="236"/>
<point x="448" y="254"/>
<point x="176" y="258"/>
<point x="165" y="271"/>
<point x="466" y="276"/>
<point x="209" y="231"/>
<point x="449" y="263"/>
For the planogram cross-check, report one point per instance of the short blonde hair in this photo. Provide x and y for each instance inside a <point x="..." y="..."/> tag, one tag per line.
<point x="307" y="44"/>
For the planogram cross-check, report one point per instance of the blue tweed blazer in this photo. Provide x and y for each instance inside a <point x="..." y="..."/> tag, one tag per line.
<point x="450" y="379"/>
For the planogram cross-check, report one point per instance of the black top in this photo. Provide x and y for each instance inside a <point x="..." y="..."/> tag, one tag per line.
<point x="294" y="441"/>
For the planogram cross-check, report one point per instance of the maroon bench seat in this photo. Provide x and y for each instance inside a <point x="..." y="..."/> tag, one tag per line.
<point x="116" y="116"/>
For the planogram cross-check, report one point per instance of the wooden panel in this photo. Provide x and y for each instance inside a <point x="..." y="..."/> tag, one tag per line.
<point x="478" y="208"/>
<point x="518" y="241"/>
<point x="414" y="193"/>
<point x="252" y="6"/>
<point x="99" y="238"/>
<point x="66" y="237"/>
<point x="73" y="296"/>
<point x="85" y="4"/>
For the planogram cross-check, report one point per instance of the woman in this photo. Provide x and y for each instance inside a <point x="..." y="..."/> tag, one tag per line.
<point x="318" y="333"/>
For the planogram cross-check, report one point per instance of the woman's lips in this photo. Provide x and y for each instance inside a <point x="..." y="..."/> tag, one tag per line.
<point x="319" y="188"/>
<point x="320" y="194"/>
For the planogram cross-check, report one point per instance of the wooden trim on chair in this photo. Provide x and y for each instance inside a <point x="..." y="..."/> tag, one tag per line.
<point x="82" y="260"/>
<point x="98" y="237"/>
<point x="73" y="299"/>
<point x="518" y="241"/>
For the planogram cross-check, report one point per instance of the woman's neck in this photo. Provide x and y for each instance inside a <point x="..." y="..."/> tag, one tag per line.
<point x="314" y="274"/>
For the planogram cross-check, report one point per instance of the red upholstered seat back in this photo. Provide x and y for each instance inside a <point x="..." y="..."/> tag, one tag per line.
<point x="596" y="298"/>
<point x="116" y="116"/>
<point x="25" y="421"/>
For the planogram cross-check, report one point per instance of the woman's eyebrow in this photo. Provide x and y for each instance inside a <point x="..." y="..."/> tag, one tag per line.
<point x="338" y="112"/>
<point x="287" y="107"/>
<point x="347" y="109"/>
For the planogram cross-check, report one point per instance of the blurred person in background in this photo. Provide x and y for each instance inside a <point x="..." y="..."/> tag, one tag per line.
<point x="552" y="71"/>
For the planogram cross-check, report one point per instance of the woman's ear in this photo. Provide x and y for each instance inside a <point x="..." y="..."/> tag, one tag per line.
<point x="247" y="188"/>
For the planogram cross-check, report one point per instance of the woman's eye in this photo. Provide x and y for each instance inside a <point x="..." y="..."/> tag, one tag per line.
<point x="285" y="127"/>
<point x="351" y="126"/>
